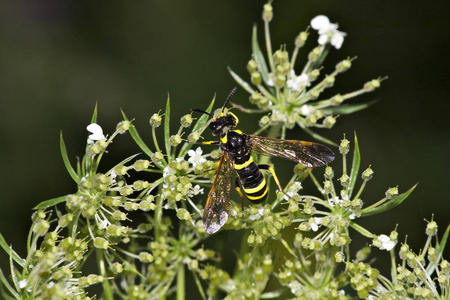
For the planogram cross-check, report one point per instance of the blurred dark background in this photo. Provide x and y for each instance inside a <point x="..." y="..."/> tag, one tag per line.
<point x="59" y="58"/>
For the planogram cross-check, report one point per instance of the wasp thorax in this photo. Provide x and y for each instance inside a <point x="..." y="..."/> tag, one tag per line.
<point x="222" y="122"/>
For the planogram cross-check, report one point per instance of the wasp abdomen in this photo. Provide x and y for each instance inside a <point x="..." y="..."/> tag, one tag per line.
<point x="251" y="178"/>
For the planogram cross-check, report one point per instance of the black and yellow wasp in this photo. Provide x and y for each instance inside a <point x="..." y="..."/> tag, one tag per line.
<point x="237" y="148"/>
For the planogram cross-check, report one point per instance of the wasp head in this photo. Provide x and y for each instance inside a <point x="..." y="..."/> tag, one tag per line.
<point x="222" y="121"/>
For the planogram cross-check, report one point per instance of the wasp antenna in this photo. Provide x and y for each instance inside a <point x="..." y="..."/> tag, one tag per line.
<point x="229" y="97"/>
<point x="201" y="111"/>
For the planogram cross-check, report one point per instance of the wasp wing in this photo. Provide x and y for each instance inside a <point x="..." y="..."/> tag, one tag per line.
<point x="215" y="214"/>
<point x="307" y="153"/>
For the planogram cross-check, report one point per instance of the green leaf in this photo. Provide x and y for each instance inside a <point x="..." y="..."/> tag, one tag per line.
<point x="137" y="138"/>
<point x="389" y="204"/>
<point x="355" y="167"/>
<point x="65" y="157"/>
<point x="8" y="287"/>
<point x="167" y="126"/>
<point x="361" y="229"/>
<point x="50" y="202"/>
<point x="317" y="136"/>
<point x="123" y="162"/>
<point x="198" y="127"/>
<point x="241" y="82"/>
<point x="346" y="109"/>
<point x="20" y="261"/>
<point x="94" y="115"/>
<point x="259" y="56"/>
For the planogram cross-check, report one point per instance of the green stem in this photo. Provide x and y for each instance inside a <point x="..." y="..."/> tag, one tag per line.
<point x="107" y="292"/>
<point x="180" y="282"/>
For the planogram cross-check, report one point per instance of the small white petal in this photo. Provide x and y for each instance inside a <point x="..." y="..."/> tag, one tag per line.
<point x="323" y="39"/>
<point x="23" y="283"/>
<point x="320" y="22"/>
<point x="337" y="39"/>
<point x="96" y="130"/>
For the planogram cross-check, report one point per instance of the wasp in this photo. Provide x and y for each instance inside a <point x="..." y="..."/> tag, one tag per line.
<point x="237" y="148"/>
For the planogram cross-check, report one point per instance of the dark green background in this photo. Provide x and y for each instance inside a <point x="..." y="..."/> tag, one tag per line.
<point x="58" y="58"/>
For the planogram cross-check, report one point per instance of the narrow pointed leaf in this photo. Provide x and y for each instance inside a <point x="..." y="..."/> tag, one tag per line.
<point x="137" y="138"/>
<point x="12" y="269"/>
<point x="50" y="202"/>
<point x="241" y="82"/>
<point x="361" y="229"/>
<point x="8" y="287"/>
<point x="388" y="205"/>
<point x="440" y="247"/>
<point x="65" y="157"/>
<point x="20" y="261"/>
<point x="317" y="136"/>
<point x="355" y="167"/>
<point x="346" y="109"/>
<point x="167" y="127"/>
<point x="259" y="56"/>
<point x="94" y="115"/>
<point x="123" y="162"/>
<point x="198" y="127"/>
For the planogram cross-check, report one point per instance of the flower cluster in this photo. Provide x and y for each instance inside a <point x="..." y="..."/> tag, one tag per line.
<point x="141" y="220"/>
<point x="288" y="97"/>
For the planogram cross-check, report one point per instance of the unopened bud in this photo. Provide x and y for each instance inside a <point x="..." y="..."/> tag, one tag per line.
<point x="301" y="39"/>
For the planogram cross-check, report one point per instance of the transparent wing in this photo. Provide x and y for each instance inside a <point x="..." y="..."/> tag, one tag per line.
<point x="307" y="153"/>
<point x="215" y="214"/>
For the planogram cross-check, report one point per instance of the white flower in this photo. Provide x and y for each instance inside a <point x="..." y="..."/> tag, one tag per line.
<point x="97" y="133"/>
<point x="328" y="32"/>
<point x="23" y="283"/>
<point x="385" y="242"/>
<point x="196" y="190"/>
<point x="306" y="110"/>
<point x="298" y="83"/>
<point x="315" y="222"/>
<point x="196" y="157"/>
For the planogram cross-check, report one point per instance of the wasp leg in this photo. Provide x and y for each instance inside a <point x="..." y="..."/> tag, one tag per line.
<point x="208" y="143"/>
<point x="239" y="191"/>
<point x="275" y="177"/>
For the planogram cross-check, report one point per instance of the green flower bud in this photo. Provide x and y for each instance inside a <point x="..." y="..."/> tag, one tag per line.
<point x="339" y="257"/>
<point x="117" y="268"/>
<point x="101" y="243"/>
<point x="125" y="191"/>
<point x="280" y="80"/>
<point x="265" y="120"/>
<point x="372" y="85"/>
<point x="329" y="80"/>
<point x="251" y="239"/>
<point x="186" y="120"/>
<point x="267" y="12"/>
<point x="120" y="216"/>
<point x="123" y="126"/>
<point x="313" y="94"/>
<point x="155" y="120"/>
<point x="146" y="257"/>
<point x="329" y="121"/>
<point x="391" y="192"/>
<point x="183" y="214"/>
<point x="431" y="228"/>
<point x="343" y="65"/>
<point x="65" y="220"/>
<point x="363" y="254"/>
<point x="313" y="75"/>
<point x="280" y="56"/>
<point x="314" y="54"/>
<point x="193" y="137"/>
<point x="252" y="66"/>
<point x="301" y="39"/>
<point x="329" y="173"/>
<point x="255" y="98"/>
<point x="337" y="100"/>
<point x="130" y="206"/>
<point x="367" y="174"/>
<point x="344" y="147"/>
<point x="256" y="78"/>
<point x="327" y="186"/>
<point x="345" y="179"/>
<point x="41" y="227"/>
<point x="263" y="102"/>
<point x="140" y="185"/>
<point x="157" y="157"/>
<point x="141" y="165"/>
<point x="175" y="140"/>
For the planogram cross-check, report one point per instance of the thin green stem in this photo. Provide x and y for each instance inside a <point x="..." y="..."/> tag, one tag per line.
<point x="181" y="289"/>
<point x="107" y="292"/>
<point x="269" y="46"/>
